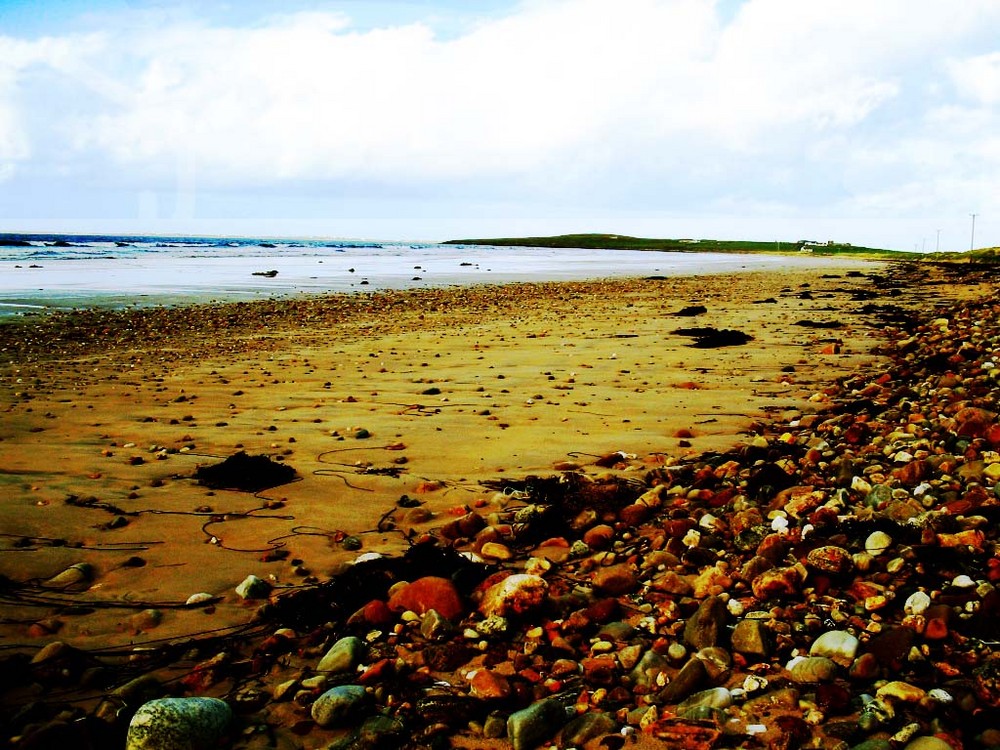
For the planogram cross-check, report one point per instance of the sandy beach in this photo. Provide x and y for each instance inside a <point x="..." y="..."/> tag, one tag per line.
<point x="399" y="412"/>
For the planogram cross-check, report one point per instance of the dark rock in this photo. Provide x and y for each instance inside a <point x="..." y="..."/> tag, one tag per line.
<point x="527" y="728"/>
<point x="586" y="727"/>
<point x="245" y="473"/>
<point x="690" y="311"/>
<point x="705" y="627"/>
<point x="692" y="676"/>
<point x="750" y="638"/>
<point x="713" y="338"/>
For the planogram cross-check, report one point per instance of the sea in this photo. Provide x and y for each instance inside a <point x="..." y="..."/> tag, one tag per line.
<point x="42" y="273"/>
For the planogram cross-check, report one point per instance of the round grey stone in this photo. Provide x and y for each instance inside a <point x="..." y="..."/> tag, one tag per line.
<point x="336" y="706"/>
<point x="178" y="724"/>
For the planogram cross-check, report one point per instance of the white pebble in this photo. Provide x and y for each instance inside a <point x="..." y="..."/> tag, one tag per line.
<point x="917" y="603"/>
<point x="877" y="543"/>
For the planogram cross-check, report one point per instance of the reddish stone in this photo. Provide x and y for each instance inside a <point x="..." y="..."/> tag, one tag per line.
<point x="861" y="590"/>
<point x="463" y="527"/>
<point x="530" y="675"/>
<point x="556" y="541"/>
<point x="912" y="473"/>
<point x="973" y="423"/>
<point x="207" y="673"/>
<point x="489" y="685"/>
<point x="777" y="582"/>
<point x="813" y="456"/>
<point x="425" y="594"/>
<point x="993" y="570"/>
<point x="633" y="515"/>
<point x="514" y="595"/>
<point x="616" y="580"/>
<point x="865" y="667"/>
<point x="830" y="559"/>
<point x="704" y="477"/>
<point x="378" y="671"/>
<point x="936" y="630"/>
<point x="661" y="646"/>
<point x="599" y="670"/>
<point x="745" y="519"/>
<point x="686" y="733"/>
<point x="754" y="567"/>
<point x="773" y="547"/>
<point x="600" y="536"/>
<point x="375" y="612"/>
<point x="601" y="611"/>
<point x="678" y="527"/>
<point x="856" y="434"/>
<point x="976" y="496"/>
<point x="987" y="681"/>
<point x="722" y="497"/>
<point x="823" y="516"/>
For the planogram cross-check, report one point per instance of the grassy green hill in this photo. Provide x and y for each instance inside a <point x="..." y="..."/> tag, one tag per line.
<point x="982" y="255"/>
<point x="623" y="242"/>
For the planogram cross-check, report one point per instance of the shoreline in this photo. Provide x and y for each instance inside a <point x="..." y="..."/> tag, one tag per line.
<point x="483" y="386"/>
<point x="180" y="280"/>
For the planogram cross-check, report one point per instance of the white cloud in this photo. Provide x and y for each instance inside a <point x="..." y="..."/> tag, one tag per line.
<point x="978" y="78"/>
<point x="849" y="105"/>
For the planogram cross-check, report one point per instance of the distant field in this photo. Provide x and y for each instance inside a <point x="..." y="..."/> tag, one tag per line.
<point x="623" y="242"/>
<point x="982" y="255"/>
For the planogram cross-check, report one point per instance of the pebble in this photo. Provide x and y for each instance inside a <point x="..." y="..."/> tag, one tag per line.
<point x="778" y="583"/>
<point x="650" y="666"/>
<point x="427" y="593"/>
<point x="837" y="645"/>
<point x="517" y="594"/>
<point x="489" y="685"/>
<point x="750" y="638"/>
<point x="877" y="543"/>
<point x="586" y="727"/>
<point x="928" y="743"/>
<point x="530" y="726"/>
<point x="812" y="669"/>
<point x="253" y="587"/>
<point x="916" y="603"/>
<point x="901" y="691"/>
<point x="76" y="574"/>
<point x="179" y="724"/>
<point x="616" y="580"/>
<point x="718" y="697"/>
<point x="831" y="559"/>
<point x="338" y="705"/>
<point x="704" y="628"/>
<point x="343" y="656"/>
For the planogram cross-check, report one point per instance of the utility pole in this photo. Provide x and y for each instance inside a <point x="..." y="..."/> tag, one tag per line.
<point x="937" y="242"/>
<point x="972" y="242"/>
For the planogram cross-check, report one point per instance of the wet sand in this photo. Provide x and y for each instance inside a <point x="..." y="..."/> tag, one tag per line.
<point x="433" y="395"/>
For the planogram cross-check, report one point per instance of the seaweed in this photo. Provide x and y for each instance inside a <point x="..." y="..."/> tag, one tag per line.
<point x="245" y="473"/>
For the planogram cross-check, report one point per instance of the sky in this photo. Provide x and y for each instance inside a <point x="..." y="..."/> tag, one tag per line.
<point x="873" y="122"/>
